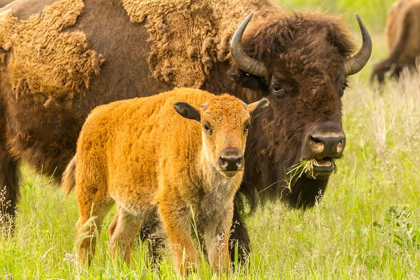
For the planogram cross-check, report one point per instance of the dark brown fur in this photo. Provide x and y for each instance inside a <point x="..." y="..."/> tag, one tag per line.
<point x="307" y="49"/>
<point x="403" y="35"/>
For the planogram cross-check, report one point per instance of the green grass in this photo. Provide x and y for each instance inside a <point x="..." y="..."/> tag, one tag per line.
<point x="373" y="12"/>
<point x="365" y="227"/>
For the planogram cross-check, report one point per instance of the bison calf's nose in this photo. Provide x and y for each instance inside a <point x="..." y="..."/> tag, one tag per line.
<point x="230" y="161"/>
<point x="327" y="145"/>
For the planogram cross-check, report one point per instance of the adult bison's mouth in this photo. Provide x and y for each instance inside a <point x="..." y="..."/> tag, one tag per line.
<point x="320" y="168"/>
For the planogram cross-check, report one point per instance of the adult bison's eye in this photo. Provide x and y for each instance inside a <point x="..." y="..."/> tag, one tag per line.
<point x="278" y="90"/>
<point x="343" y="87"/>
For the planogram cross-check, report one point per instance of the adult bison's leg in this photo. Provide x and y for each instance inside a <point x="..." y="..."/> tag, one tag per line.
<point x="152" y="232"/>
<point x="9" y="192"/>
<point x="9" y="183"/>
<point x="239" y="239"/>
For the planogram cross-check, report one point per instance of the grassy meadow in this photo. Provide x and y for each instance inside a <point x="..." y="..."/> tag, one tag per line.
<point x="373" y="12"/>
<point x="367" y="226"/>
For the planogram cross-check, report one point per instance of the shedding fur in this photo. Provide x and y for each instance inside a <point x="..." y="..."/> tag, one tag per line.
<point x="45" y="59"/>
<point x="178" y="29"/>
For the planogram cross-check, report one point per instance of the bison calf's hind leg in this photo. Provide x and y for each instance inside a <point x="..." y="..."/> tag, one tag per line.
<point x="89" y="225"/>
<point x="123" y="232"/>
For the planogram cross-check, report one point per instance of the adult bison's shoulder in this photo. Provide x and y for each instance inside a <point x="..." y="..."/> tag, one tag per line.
<point x="402" y="32"/>
<point x="46" y="61"/>
<point x="190" y="38"/>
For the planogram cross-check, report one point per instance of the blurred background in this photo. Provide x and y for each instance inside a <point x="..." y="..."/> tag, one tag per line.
<point x="373" y="13"/>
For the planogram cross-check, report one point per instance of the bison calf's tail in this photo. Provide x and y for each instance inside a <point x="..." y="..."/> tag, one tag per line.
<point x="68" y="181"/>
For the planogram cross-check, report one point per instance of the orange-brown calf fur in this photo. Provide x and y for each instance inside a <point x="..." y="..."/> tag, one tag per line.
<point x="142" y="154"/>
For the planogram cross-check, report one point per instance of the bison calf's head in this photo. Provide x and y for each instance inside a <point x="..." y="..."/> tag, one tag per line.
<point x="225" y="121"/>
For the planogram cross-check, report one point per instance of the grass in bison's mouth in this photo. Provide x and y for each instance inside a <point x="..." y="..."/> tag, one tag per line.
<point x="298" y="170"/>
<point x="311" y="166"/>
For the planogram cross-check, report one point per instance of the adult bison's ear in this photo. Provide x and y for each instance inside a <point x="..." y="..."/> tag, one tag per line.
<point x="246" y="80"/>
<point x="187" y="111"/>
<point x="256" y="108"/>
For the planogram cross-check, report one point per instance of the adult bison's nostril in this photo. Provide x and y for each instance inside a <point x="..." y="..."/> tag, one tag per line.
<point x="327" y="145"/>
<point x="231" y="159"/>
<point x="340" y="146"/>
<point x="316" y="145"/>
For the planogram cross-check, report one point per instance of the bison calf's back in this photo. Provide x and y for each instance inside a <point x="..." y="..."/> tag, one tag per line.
<point x="180" y="152"/>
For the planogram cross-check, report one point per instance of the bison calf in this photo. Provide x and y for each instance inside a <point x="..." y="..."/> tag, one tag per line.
<point x="142" y="154"/>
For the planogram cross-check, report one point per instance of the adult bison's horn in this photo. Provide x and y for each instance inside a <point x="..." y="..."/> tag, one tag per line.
<point x="245" y="62"/>
<point x="358" y="61"/>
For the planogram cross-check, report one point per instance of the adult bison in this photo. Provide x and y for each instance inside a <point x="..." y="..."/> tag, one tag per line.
<point x="402" y="32"/>
<point x="60" y="59"/>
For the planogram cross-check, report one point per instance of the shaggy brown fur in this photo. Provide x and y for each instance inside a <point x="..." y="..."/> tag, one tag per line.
<point x="124" y="155"/>
<point x="189" y="37"/>
<point x="50" y="66"/>
<point x="402" y="32"/>
<point x="301" y="102"/>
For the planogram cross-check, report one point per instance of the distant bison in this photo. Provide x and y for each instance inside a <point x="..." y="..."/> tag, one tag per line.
<point x="402" y="32"/>
<point x="58" y="62"/>
<point x="141" y="154"/>
<point x="4" y="2"/>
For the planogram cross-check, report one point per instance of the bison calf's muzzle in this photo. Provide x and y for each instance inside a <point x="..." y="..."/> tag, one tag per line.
<point x="231" y="160"/>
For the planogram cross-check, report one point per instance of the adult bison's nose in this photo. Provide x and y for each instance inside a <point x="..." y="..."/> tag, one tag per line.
<point x="326" y="144"/>
<point x="231" y="160"/>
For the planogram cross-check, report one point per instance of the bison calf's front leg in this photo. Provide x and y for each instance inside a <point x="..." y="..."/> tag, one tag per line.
<point x="176" y="223"/>
<point x="216" y="237"/>
<point x="123" y="232"/>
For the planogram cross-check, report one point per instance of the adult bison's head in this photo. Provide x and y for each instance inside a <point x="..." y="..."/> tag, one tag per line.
<point x="300" y="62"/>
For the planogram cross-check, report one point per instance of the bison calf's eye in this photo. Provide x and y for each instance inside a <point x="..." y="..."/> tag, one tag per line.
<point x="207" y="128"/>
<point x="246" y="128"/>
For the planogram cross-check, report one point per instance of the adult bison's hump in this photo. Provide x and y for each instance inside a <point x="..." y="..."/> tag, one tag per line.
<point x="58" y="62"/>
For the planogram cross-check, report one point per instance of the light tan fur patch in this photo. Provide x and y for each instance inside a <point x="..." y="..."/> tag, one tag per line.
<point x="43" y="58"/>
<point x="189" y="37"/>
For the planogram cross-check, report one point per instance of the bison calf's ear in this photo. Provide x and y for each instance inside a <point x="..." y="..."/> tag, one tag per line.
<point x="187" y="111"/>
<point x="256" y="108"/>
